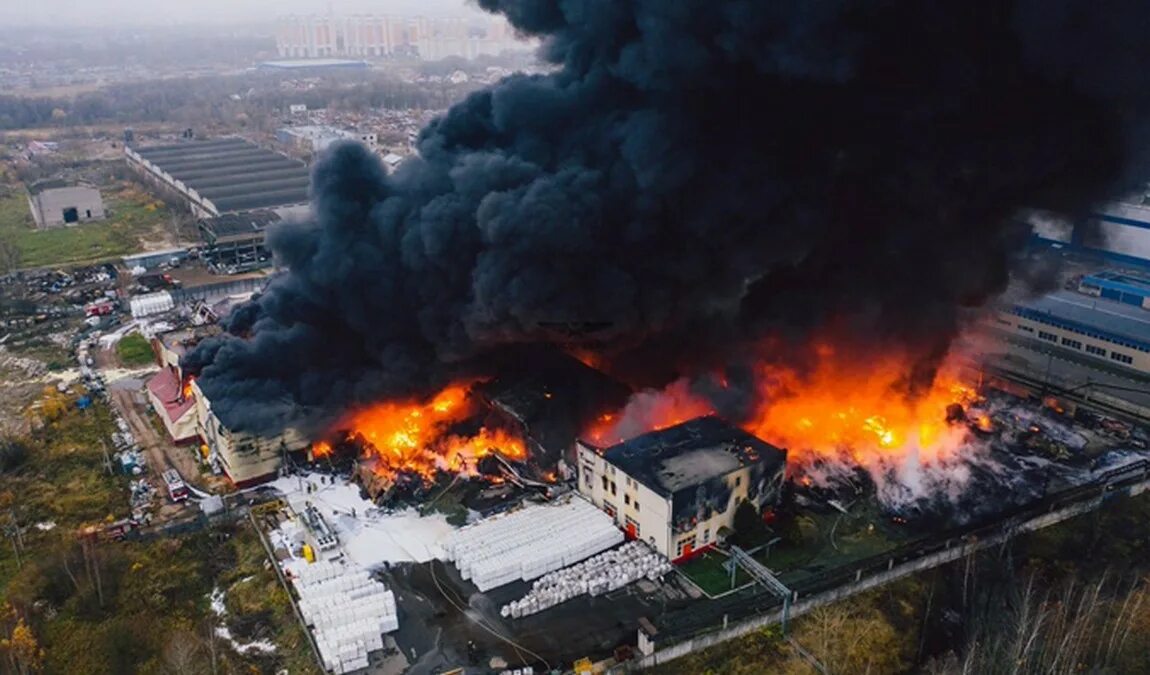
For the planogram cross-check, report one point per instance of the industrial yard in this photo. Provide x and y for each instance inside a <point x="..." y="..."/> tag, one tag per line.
<point x="504" y="536"/>
<point x="698" y="338"/>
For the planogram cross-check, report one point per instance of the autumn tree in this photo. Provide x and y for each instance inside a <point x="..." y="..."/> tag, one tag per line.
<point x="20" y="647"/>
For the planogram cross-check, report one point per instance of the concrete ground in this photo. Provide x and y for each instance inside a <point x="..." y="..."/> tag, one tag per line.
<point x="439" y="613"/>
<point x="1065" y="368"/>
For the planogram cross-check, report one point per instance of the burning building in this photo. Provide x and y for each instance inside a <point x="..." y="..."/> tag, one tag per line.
<point x="169" y="392"/>
<point x="659" y="201"/>
<point x="172" y="403"/>
<point x="550" y="402"/>
<point x="246" y="458"/>
<point x="677" y="487"/>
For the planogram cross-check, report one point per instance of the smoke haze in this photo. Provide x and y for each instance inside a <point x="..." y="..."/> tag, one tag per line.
<point x="693" y="177"/>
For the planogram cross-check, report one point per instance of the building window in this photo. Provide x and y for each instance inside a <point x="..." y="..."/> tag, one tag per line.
<point x="1121" y="358"/>
<point x="636" y="506"/>
<point x="604" y="479"/>
<point x="1047" y="336"/>
<point x="738" y="481"/>
<point x="609" y="508"/>
<point x="587" y="479"/>
<point x="612" y="488"/>
<point x="632" y="527"/>
<point x="1097" y="351"/>
<point x="626" y="500"/>
<point x="706" y="534"/>
<point x="1025" y="329"/>
<point x="1073" y="344"/>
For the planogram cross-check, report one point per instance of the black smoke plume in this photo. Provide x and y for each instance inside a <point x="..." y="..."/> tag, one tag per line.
<point x="692" y="176"/>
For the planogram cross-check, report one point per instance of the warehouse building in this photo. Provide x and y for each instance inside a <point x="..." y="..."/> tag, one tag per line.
<point x="247" y="459"/>
<point x="1127" y="288"/>
<point x="676" y="488"/>
<point x="227" y="175"/>
<point x="57" y="203"/>
<point x="1116" y="231"/>
<point x="1110" y="331"/>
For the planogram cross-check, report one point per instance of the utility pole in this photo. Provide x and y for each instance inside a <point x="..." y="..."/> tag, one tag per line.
<point x="107" y="458"/>
<point x="17" y="538"/>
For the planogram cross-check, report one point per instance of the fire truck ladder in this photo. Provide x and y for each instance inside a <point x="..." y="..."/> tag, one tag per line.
<point x="764" y="576"/>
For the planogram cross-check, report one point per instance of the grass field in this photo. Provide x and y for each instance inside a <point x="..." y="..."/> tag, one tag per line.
<point x="126" y="607"/>
<point x="134" y="350"/>
<point x="132" y="214"/>
<point x="706" y="570"/>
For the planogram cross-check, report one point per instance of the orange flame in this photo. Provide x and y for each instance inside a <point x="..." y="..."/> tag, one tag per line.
<point x="416" y="437"/>
<point x="853" y="407"/>
<point x="862" y="411"/>
<point x="186" y="392"/>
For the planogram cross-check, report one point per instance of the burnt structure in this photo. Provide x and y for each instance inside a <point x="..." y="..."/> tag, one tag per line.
<point x="234" y="242"/>
<point x="676" y="488"/>
<point x="549" y="399"/>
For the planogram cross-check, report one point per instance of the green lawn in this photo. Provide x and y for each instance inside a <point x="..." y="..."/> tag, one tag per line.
<point x="135" y="350"/>
<point x="132" y="213"/>
<point x="706" y="570"/>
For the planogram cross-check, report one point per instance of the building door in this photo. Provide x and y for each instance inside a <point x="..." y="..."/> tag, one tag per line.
<point x="71" y="215"/>
<point x="631" y="531"/>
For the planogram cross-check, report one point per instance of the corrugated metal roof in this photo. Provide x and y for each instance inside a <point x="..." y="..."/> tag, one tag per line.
<point x="234" y="174"/>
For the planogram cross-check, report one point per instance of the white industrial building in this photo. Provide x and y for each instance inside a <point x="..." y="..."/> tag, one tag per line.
<point x="676" y="488"/>
<point x="1109" y="331"/>
<point x="317" y="138"/>
<point x="56" y="204"/>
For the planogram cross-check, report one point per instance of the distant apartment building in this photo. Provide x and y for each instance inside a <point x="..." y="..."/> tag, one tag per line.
<point x="316" y="36"/>
<point x="56" y="204"/>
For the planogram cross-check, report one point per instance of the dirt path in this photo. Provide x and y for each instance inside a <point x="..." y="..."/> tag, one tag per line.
<point x="160" y="451"/>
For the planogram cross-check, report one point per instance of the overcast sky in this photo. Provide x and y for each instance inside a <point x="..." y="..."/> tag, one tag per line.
<point x="137" y="12"/>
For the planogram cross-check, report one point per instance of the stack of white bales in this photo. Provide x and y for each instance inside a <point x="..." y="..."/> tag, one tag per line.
<point x="530" y="542"/>
<point x="605" y="572"/>
<point x="348" y="610"/>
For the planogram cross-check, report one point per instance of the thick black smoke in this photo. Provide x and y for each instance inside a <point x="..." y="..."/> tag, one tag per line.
<point x="694" y="174"/>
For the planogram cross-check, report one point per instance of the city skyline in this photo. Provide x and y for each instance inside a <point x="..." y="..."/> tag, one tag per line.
<point x="72" y="13"/>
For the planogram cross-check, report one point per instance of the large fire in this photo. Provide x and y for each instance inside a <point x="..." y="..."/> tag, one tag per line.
<point x="854" y="408"/>
<point x="418" y="437"/>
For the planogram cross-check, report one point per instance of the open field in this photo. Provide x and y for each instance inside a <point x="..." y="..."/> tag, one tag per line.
<point x="132" y="215"/>
<point x="100" y="606"/>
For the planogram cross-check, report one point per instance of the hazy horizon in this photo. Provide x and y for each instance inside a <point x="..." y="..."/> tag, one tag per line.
<point x="79" y="13"/>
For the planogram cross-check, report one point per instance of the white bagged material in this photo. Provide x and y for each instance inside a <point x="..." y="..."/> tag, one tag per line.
<point x="530" y="542"/>
<point x="348" y="611"/>
<point x="595" y="576"/>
